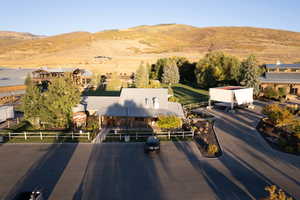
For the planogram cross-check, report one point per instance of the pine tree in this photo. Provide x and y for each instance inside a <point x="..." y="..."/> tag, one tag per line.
<point x="249" y="74"/>
<point x="142" y="77"/>
<point x="170" y="73"/>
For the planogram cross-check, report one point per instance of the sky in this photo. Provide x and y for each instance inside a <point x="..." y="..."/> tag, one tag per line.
<point x="51" y="17"/>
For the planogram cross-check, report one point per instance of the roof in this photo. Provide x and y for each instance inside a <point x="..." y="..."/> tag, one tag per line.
<point x="137" y="97"/>
<point x="6" y="94"/>
<point x="131" y="103"/>
<point x="230" y="88"/>
<point x="280" y="77"/>
<point x="13" y="77"/>
<point x="272" y="66"/>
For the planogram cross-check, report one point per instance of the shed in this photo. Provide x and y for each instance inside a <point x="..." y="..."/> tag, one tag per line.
<point x="6" y="112"/>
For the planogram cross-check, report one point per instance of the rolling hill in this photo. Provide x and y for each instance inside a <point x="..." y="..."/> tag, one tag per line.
<point x="123" y="50"/>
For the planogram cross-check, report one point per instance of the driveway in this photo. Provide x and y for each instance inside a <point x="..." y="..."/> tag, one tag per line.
<point x="248" y="161"/>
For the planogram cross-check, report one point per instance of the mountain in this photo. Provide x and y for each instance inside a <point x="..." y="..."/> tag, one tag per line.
<point x="123" y="50"/>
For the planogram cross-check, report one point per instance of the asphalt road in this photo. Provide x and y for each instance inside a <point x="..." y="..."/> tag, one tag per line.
<point x="123" y="171"/>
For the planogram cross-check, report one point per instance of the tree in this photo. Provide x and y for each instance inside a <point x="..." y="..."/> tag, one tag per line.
<point x="61" y="96"/>
<point x="278" y="115"/>
<point x="216" y="67"/>
<point x="270" y="93"/>
<point x="114" y="82"/>
<point x="249" y="74"/>
<point x="142" y="77"/>
<point x="157" y="69"/>
<point x="32" y="104"/>
<point x="170" y="73"/>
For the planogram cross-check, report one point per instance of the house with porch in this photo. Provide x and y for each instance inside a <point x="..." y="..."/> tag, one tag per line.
<point x="135" y="107"/>
<point x="282" y="76"/>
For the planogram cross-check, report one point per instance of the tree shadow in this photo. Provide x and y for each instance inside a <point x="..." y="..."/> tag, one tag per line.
<point x="188" y="95"/>
<point x="45" y="173"/>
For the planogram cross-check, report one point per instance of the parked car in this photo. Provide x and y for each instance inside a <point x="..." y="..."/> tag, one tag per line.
<point x="33" y="195"/>
<point x="152" y="144"/>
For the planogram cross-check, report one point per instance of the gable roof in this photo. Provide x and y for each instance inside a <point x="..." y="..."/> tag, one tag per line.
<point x="280" y="77"/>
<point x="282" y="66"/>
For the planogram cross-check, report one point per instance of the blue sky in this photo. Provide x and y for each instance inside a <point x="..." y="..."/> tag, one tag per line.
<point x="49" y="17"/>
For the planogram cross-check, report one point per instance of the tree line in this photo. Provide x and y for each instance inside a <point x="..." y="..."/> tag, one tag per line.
<point x="214" y="69"/>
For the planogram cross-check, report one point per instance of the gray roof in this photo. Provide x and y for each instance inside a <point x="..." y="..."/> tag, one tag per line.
<point x="272" y="66"/>
<point x="280" y="77"/>
<point x="6" y="94"/>
<point x="136" y="97"/>
<point x="13" y="76"/>
<point x="131" y="103"/>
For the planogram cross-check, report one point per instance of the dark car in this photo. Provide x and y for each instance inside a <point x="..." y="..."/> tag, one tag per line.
<point x="152" y="144"/>
<point x="33" y="195"/>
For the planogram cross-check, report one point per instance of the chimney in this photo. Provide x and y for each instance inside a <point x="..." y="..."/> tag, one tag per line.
<point x="278" y="62"/>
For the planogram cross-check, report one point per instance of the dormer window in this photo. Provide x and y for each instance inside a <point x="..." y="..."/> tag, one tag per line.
<point x="155" y="103"/>
<point x="146" y="102"/>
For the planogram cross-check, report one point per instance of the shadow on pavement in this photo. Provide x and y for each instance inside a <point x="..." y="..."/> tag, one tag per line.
<point x="119" y="171"/>
<point x="45" y="173"/>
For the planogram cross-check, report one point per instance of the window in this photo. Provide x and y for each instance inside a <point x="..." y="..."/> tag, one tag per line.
<point x="146" y="102"/>
<point x="155" y="103"/>
<point x="294" y="91"/>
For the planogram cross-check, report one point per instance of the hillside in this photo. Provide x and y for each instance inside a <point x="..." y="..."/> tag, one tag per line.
<point x="124" y="49"/>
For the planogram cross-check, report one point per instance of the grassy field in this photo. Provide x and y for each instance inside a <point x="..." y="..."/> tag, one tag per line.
<point x="188" y="95"/>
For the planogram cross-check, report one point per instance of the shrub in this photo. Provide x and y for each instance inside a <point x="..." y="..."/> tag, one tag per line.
<point x="282" y="142"/>
<point x="289" y="149"/>
<point x="279" y="116"/>
<point x="276" y="194"/>
<point x="282" y="92"/>
<point x="270" y="93"/>
<point x="154" y="84"/>
<point x="92" y="123"/>
<point x="169" y="122"/>
<point x="172" y="99"/>
<point x="212" y="149"/>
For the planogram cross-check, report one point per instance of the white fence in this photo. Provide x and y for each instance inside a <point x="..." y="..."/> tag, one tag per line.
<point x="44" y="135"/>
<point x="136" y="135"/>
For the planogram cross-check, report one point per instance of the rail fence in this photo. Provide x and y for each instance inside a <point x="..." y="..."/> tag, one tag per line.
<point x="117" y="134"/>
<point x="44" y="135"/>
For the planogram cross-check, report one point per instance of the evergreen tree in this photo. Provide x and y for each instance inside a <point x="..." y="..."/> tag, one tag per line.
<point x="249" y="74"/>
<point x="170" y="73"/>
<point x="142" y="77"/>
<point x="157" y="69"/>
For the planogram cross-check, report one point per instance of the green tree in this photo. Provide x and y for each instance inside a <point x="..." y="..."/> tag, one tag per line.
<point x="142" y="77"/>
<point x="32" y="104"/>
<point x="216" y="67"/>
<point x="114" y="83"/>
<point x="249" y="74"/>
<point x="157" y="69"/>
<point x="170" y="73"/>
<point x="270" y="92"/>
<point x="28" y="80"/>
<point x="61" y="96"/>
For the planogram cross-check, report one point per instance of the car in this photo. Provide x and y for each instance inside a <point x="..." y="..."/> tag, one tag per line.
<point x="33" y="195"/>
<point x="152" y="144"/>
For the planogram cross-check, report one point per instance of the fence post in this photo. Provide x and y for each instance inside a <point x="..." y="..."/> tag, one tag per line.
<point x="25" y="136"/>
<point x="182" y="134"/>
<point x="88" y="135"/>
<point x="41" y="135"/>
<point x="72" y="135"/>
<point x="56" y="136"/>
<point x="136" y="136"/>
<point x="193" y="133"/>
<point x="9" y="136"/>
<point x="169" y="136"/>
<point x="120" y="136"/>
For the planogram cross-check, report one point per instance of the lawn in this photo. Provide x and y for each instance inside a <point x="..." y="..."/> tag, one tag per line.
<point x="189" y="95"/>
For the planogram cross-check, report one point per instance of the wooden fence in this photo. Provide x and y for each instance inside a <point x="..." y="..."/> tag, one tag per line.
<point x="44" y="135"/>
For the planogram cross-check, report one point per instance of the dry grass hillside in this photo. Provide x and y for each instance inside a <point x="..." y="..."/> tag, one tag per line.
<point x="123" y="50"/>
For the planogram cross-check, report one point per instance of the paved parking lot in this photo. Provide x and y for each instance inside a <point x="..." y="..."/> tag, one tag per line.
<point x="122" y="171"/>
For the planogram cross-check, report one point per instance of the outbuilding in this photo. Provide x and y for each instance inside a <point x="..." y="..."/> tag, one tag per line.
<point x="231" y="95"/>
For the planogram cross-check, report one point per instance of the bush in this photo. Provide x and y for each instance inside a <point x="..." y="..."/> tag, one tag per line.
<point x="173" y="99"/>
<point x="169" y="122"/>
<point x="282" y="142"/>
<point x="289" y="149"/>
<point x="282" y="92"/>
<point x="270" y="93"/>
<point x="276" y="194"/>
<point x="279" y="116"/>
<point x="212" y="149"/>
<point x="92" y="123"/>
<point x="154" y="84"/>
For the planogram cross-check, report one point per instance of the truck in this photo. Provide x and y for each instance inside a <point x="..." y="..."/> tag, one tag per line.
<point x="6" y="112"/>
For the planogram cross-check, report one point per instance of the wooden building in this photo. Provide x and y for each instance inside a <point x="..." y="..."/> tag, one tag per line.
<point x="282" y="76"/>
